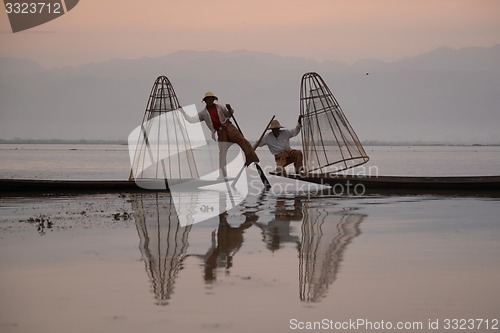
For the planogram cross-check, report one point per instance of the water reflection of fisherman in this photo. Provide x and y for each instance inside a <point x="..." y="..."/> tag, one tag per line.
<point x="227" y="241"/>
<point x="278" y="230"/>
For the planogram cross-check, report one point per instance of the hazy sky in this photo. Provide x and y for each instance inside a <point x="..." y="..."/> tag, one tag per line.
<point x="348" y="30"/>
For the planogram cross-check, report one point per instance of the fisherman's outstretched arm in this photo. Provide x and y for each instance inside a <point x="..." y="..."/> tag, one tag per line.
<point x="297" y="128"/>
<point x="191" y="119"/>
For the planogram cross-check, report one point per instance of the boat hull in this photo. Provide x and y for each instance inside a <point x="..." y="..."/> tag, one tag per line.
<point x="402" y="183"/>
<point x="50" y="186"/>
<point x="372" y="184"/>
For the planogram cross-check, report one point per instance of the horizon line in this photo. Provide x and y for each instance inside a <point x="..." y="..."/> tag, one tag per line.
<point x="293" y="142"/>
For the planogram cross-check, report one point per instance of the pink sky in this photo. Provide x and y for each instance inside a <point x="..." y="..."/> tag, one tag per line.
<point x="98" y="30"/>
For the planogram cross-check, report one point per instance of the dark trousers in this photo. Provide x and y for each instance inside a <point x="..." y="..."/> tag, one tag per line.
<point x="288" y="157"/>
<point x="227" y="135"/>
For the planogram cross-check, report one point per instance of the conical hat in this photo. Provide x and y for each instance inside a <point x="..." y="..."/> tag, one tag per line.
<point x="210" y="94"/>
<point x="275" y="124"/>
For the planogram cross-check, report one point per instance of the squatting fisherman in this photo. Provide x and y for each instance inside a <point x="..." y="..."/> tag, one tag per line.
<point x="278" y="142"/>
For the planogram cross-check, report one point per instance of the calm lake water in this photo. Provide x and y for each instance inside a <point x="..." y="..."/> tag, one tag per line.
<point x="112" y="161"/>
<point x="276" y="263"/>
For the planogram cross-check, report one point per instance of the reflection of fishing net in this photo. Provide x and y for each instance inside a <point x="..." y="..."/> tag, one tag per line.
<point x="325" y="237"/>
<point x="328" y="141"/>
<point x="163" y="148"/>
<point x="163" y="243"/>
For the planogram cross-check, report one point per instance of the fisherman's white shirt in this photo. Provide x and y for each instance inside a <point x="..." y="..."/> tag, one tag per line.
<point x="281" y="143"/>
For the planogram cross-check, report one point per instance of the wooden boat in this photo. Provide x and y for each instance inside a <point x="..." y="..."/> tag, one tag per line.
<point x="103" y="186"/>
<point x="51" y="186"/>
<point x="405" y="183"/>
<point x="372" y="184"/>
<point x="325" y="124"/>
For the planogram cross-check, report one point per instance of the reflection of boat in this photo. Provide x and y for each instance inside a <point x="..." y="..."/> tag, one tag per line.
<point x="163" y="243"/>
<point x="325" y="237"/>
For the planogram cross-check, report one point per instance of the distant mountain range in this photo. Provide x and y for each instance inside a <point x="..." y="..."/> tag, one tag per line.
<point x="446" y="95"/>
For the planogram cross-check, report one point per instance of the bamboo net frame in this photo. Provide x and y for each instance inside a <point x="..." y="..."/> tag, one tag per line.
<point x="163" y="149"/>
<point x="329" y="143"/>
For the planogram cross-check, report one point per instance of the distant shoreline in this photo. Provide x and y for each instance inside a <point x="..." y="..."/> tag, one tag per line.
<point x="63" y="141"/>
<point x="367" y="143"/>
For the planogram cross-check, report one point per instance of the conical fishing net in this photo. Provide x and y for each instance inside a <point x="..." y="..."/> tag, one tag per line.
<point x="329" y="143"/>
<point x="163" y="148"/>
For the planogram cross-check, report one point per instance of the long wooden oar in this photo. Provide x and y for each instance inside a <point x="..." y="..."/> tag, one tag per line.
<point x="262" y="176"/>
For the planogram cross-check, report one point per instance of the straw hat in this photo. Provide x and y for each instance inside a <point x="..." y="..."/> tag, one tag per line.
<point x="275" y="124"/>
<point x="210" y="94"/>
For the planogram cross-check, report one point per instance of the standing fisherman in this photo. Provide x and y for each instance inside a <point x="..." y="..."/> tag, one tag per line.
<point x="217" y="119"/>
